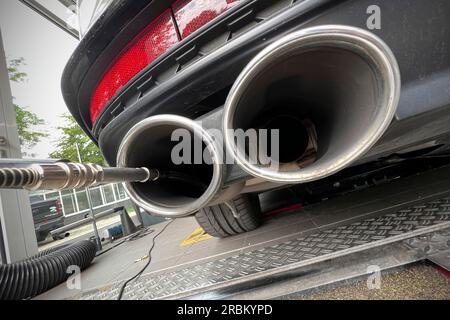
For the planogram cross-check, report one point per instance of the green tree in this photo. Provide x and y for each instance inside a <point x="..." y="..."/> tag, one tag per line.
<point x="14" y="72"/>
<point x="26" y="120"/>
<point x="71" y="136"/>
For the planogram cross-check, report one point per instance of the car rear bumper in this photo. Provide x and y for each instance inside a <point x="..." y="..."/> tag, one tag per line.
<point x="49" y="225"/>
<point x="206" y="64"/>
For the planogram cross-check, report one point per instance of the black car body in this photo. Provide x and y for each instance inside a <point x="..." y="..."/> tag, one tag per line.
<point x="211" y="44"/>
<point x="47" y="216"/>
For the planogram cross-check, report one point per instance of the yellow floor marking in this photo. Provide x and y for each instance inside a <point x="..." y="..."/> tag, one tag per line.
<point x="196" y="236"/>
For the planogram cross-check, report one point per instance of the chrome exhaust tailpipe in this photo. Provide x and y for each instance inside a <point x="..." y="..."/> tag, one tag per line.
<point x="331" y="91"/>
<point x="182" y="189"/>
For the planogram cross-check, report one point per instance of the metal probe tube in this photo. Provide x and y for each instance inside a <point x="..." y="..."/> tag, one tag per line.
<point x="62" y="175"/>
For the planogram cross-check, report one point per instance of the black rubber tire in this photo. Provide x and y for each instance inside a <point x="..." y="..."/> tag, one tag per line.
<point x="41" y="236"/>
<point x="57" y="237"/>
<point x="219" y="221"/>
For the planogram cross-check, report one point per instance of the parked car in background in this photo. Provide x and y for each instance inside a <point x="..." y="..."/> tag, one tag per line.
<point x="47" y="216"/>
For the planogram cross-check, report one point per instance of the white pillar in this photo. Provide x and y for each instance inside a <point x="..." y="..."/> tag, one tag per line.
<point x="17" y="226"/>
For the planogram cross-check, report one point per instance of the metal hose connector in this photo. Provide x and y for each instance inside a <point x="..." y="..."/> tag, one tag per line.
<point x="62" y="175"/>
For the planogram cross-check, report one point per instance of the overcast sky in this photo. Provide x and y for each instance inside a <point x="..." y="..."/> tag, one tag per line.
<point x="46" y="49"/>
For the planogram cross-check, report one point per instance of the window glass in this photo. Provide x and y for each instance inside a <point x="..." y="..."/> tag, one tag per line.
<point x="52" y="195"/>
<point x="89" y="12"/>
<point x="68" y="203"/>
<point x="82" y="199"/>
<point x="36" y="198"/>
<point x="96" y="197"/>
<point x="122" y="192"/>
<point x="109" y="194"/>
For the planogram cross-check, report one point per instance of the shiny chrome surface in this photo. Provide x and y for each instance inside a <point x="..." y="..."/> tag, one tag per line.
<point x="62" y="175"/>
<point x="345" y="79"/>
<point x="149" y="143"/>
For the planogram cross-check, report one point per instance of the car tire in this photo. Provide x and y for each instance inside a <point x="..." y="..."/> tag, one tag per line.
<point x="41" y="236"/>
<point x="57" y="237"/>
<point x="219" y="221"/>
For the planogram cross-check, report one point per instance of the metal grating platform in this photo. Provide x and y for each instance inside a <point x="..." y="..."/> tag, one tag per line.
<point x="332" y="243"/>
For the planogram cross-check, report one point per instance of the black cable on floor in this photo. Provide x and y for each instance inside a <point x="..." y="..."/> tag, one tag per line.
<point x="137" y="275"/>
<point x="138" y="235"/>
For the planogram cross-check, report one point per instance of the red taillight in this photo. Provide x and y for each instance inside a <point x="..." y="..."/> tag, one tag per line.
<point x="59" y="207"/>
<point x="194" y="14"/>
<point x="158" y="37"/>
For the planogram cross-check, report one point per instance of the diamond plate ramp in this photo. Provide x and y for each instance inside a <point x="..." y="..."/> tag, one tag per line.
<point x="289" y="255"/>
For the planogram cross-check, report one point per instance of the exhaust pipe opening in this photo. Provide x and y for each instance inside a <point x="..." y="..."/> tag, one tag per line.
<point x="178" y="184"/>
<point x="330" y="90"/>
<point x="182" y="188"/>
<point x="297" y="138"/>
<point x="295" y="134"/>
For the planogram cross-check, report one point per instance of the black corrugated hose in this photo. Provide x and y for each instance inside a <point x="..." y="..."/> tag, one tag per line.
<point x="33" y="276"/>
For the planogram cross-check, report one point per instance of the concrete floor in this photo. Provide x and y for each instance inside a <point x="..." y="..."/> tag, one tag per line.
<point x="127" y="259"/>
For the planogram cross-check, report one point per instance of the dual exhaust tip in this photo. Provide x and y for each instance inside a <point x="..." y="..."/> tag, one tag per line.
<point x="329" y="91"/>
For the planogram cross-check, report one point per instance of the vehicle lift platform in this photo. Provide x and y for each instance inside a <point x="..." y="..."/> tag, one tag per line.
<point x="388" y="226"/>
